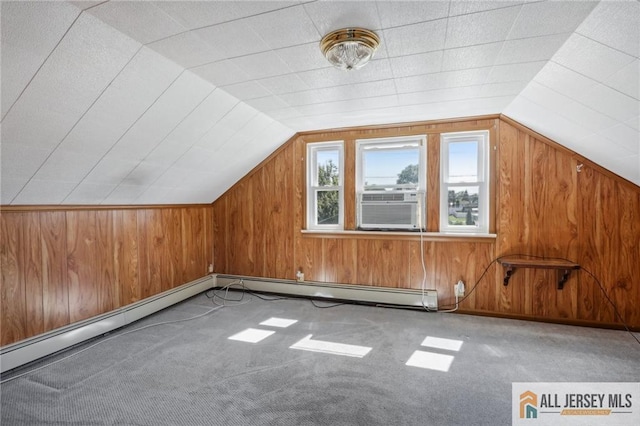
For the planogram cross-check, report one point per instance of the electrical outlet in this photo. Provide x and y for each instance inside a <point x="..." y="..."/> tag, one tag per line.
<point x="459" y="288"/>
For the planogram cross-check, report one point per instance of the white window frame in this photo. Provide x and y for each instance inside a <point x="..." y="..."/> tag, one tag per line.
<point x="482" y="182"/>
<point x="313" y="187"/>
<point x="400" y="141"/>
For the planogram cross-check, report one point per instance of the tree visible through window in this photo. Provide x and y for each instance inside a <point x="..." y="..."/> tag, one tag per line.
<point x="408" y="175"/>
<point x="325" y="198"/>
<point x="328" y="203"/>
<point x="390" y="183"/>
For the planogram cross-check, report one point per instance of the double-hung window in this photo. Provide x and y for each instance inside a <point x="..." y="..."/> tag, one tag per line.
<point x="390" y="183"/>
<point x="464" y="191"/>
<point x="325" y="183"/>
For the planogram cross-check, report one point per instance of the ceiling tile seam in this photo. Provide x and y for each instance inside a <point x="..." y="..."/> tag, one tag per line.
<point x="255" y="81"/>
<point x="593" y="80"/>
<point x="343" y="100"/>
<point x="581" y="103"/>
<point x="75" y="125"/>
<point x="162" y="11"/>
<point x="395" y="27"/>
<point x="248" y="54"/>
<point x="311" y="92"/>
<point x="393" y="76"/>
<point x="219" y="23"/>
<point x="386" y="107"/>
<point x="575" y="123"/>
<point x="479" y="85"/>
<point x="95" y="5"/>
<point x="270" y="50"/>
<point x="606" y="45"/>
<point x="477" y="45"/>
<point x="446" y="29"/>
<point x="320" y="88"/>
<point x="249" y="16"/>
<point x="246" y="143"/>
<point x="158" y="144"/>
<point x="41" y="65"/>
<point x="125" y="132"/>
<point x="513" y="24"/>
<point x="479" y="96"/>
<point x="230" y="138"/>
<point x="507" y="5"/>
<point x="306" y="12"/>
<point x="476" y="68"/>
<point x="385" y="79"/>
<point x="277" y="96"/>
<point x="238" y="103"/>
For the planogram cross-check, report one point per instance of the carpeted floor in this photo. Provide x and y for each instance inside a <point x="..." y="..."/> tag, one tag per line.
<point x="191" y="373"/>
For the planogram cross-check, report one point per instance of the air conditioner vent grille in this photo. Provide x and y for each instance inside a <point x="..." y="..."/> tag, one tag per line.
<point x="391" y="210"/>
<point x="383" y="196"/>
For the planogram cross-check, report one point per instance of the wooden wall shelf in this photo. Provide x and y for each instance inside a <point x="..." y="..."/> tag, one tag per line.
<point x="564" y="267"/>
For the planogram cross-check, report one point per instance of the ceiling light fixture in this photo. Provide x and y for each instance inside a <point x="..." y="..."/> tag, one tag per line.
<point x="349" y="48"/>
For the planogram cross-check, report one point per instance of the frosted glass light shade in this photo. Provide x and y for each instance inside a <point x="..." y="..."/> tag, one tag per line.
<point x="349" y="48"/>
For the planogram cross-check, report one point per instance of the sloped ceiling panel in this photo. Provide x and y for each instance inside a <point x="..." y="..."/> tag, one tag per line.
<point x="92" y="116"/>
<point x="118" y="102"/>
<point x="588" y="97"/>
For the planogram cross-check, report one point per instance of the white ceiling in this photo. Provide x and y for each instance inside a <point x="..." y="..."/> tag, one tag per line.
<point x="153" y="102"/>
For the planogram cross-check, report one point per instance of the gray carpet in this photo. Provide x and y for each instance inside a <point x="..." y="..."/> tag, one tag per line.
<point x="190" y="373"/>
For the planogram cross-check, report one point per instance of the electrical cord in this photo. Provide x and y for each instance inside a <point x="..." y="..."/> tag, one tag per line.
<point x="477" y="282"/>
<point x="106" y="340"/>
<point x="225" y="299"/>
<point x="240" y="283"/>
<point x="333" y="305"/>
<point x="591" y="274"/>
<point x="424" y="273"/>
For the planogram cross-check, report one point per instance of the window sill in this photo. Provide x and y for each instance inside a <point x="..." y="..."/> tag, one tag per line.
<point x="399" y="235"/>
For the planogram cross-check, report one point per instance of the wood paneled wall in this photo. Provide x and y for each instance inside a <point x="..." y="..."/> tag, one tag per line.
<point x="541" y="205"/>
<point x="62" y="266"/>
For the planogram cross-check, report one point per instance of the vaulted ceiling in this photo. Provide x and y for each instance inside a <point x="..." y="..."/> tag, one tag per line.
<point x="145" y="102"/>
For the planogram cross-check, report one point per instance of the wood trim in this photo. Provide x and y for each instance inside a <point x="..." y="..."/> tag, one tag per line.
<point x="494" y="138"/>
<point x="542" y="206"/>
<point x="411" y="124"/>
<point x="76" y="207"/>
<point x="62" y="266"/>
<point x="399" y="236"/>
<point x="260" y="165"/>
<point x="433" y="183"/>
<point x="564" y="149"/>
<point x="462" y="126"/>
<point x="553" y="320"/>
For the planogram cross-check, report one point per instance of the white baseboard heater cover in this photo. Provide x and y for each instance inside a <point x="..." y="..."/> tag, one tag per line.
<point x="25" y="351"/>
<point x="377" y="295"/>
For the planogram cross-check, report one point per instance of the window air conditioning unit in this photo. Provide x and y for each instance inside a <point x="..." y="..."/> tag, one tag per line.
<point x="392" y="210"/>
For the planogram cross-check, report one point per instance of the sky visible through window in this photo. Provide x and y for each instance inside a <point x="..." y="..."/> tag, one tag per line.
<point x="463" y="162"/>
<point x="382" y="167"/>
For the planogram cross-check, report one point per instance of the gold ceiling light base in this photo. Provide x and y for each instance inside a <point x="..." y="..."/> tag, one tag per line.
<point x="349" y="48"/>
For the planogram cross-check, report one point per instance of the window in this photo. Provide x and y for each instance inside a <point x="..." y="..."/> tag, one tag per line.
<point x="464" y="202"/>
<point x="325" y="194"/>
<point x="390" y="183"/>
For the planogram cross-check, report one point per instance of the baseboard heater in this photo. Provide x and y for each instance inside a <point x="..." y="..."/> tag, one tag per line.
<point x="28" y="350"/>
<point x="357" y="293"/>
